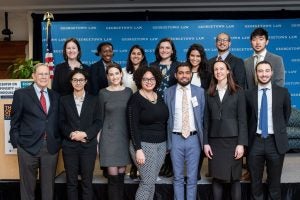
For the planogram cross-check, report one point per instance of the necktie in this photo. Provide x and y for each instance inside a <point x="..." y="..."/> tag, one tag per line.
<point x="219" y="58"/>
<point x="43" y="101"/>
<point x="263" y="118"/>
<point x="185" y="115"/>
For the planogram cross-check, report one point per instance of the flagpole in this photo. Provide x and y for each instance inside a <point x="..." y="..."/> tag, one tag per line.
<point x="48" y="17"/>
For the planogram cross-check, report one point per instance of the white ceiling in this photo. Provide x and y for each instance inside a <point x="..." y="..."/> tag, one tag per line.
<point x="142" y="5"/>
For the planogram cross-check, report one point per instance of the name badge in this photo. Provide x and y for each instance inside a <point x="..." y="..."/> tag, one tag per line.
<point x="194" y="101"/>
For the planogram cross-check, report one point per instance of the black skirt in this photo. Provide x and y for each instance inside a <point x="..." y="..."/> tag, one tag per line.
<point x="223" y="166"/>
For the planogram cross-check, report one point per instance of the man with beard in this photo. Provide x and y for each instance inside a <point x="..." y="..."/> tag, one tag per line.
<point x="223" y="43"/>
<point x="259" y="40"/>
<point x="268" y="110"/>
<point x="98" y="78"/>
<point x="185" y="130"/>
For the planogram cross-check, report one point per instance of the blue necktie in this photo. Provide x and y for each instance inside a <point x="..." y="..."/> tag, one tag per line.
<point x="263" y="119"/>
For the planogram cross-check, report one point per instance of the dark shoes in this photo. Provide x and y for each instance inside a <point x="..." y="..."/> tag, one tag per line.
<point x="133" y="172"/>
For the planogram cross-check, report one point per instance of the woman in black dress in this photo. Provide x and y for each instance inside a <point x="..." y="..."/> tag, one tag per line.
<point x="225" y="130"/>
<point x="72" y="55"/>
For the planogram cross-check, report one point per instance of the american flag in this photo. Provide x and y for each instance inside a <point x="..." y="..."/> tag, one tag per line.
<point x="49" y="51"/>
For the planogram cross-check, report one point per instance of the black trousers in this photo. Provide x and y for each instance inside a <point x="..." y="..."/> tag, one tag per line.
<point x="30" y="166"/>
<point x="81" y="161"/>
<point x="264" y="152"/>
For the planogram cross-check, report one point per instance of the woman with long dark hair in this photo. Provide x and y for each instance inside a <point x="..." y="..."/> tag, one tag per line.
<point x="225" y="130"/>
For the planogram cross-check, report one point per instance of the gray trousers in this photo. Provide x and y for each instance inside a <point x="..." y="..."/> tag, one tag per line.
<point x="30" y="166"/>
<point x="155" y="154"/>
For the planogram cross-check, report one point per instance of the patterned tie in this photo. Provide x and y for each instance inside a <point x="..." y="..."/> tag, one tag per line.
<point x="43" y="101"/>
<point x="263" y="118"/>
<point x="219" y="58"/>
<point x="185" y="115"/>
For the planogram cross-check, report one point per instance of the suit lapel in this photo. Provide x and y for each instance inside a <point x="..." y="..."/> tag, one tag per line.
<point x="35" y="98"/>
<point x="73" y="105"/>
<point x="255" y="100"/>
<point x="85" y="104"/>
<point x="173" y="99"/>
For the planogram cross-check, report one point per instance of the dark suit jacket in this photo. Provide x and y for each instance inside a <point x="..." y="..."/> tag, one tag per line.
<point x="89" y="120"/>
<point x="61" y="80"/>
<point x="170" y="99"/>
<point x="98" y="79"/>
<point x="278" y="70"/>
<point x="227" y="118"/>
<point x="281" y="105"/>
<point x="237" y="67"/>
<point x="29" y="123"/>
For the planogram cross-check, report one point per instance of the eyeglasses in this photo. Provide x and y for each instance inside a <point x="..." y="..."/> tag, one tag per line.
<point x="43" y="74"/>
<point x="222" y="40"/>
<point x="75" y="80"/>
<point x="146" y="80"/>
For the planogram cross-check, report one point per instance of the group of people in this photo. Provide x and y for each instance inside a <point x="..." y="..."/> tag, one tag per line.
<point x="219" y="108"/>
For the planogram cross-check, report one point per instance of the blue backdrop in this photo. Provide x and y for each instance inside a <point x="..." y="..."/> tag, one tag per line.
<point x="284" y="36"/>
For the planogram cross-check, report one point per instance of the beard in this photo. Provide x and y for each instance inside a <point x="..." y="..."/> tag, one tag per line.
<point x="185" y="83"/>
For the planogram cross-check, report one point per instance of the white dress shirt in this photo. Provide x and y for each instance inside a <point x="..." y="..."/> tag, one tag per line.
<point x="178" y="109"/>
<point x="270" y="113"/>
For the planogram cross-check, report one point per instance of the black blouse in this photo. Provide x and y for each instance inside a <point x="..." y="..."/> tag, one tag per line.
<point x="147" y="121"/>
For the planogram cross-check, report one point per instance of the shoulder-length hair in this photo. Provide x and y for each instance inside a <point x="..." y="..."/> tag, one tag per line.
<point x="157" y="55"/>
<point x="203" y="66"/>
<point x="65" y="51"/>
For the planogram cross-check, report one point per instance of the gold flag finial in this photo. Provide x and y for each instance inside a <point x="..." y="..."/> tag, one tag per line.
<point x="48" y="16"/>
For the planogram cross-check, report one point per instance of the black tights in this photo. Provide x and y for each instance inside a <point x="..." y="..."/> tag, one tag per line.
<point x="218" y="189"/>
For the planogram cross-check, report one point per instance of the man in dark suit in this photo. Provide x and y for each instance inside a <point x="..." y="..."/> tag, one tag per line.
<point x="34" y="132"/>
<point x="185" y="130"/>
<point x="98" y="78"/>
<point x="268" y="109"/>
<point x="259" y="40"/>
<point x="223" y="43"/>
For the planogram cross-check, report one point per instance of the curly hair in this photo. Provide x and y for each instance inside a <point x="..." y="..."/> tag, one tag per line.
<point x="140" y="72"/>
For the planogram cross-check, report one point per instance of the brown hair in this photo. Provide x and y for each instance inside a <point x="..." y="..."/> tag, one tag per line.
<point x="232" y="86"/>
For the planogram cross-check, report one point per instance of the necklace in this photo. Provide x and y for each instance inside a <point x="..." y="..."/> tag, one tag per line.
<point x="153" y="97"/>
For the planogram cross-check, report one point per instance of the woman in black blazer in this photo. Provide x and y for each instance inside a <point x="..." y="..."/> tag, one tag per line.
<point x="72" y="55"/>
<point x="80" y="123"/>
<point x="225" y="130"/>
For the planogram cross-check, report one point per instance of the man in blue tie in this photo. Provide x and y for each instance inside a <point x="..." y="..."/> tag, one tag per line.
<point x="268" y="109"/>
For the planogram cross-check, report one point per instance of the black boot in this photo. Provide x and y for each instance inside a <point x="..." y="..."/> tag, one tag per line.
<point x="133" y="172"/>
<point x="113" y="187"/>
<point x="121" y="186"/>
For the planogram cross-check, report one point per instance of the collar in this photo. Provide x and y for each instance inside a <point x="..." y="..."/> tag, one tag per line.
<point x="188" y="87"/>
<point x="262" y="54"/>
<point x="38" y="89"/>
<point x="222" y="89"/>
<point x="268" y="85"/>
<point x="79" y="98"/>
<point x="224" y="55"/>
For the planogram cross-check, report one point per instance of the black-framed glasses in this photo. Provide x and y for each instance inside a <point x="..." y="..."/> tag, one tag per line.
<point x="146" y="80"/>
<point x="75" y="80"/>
